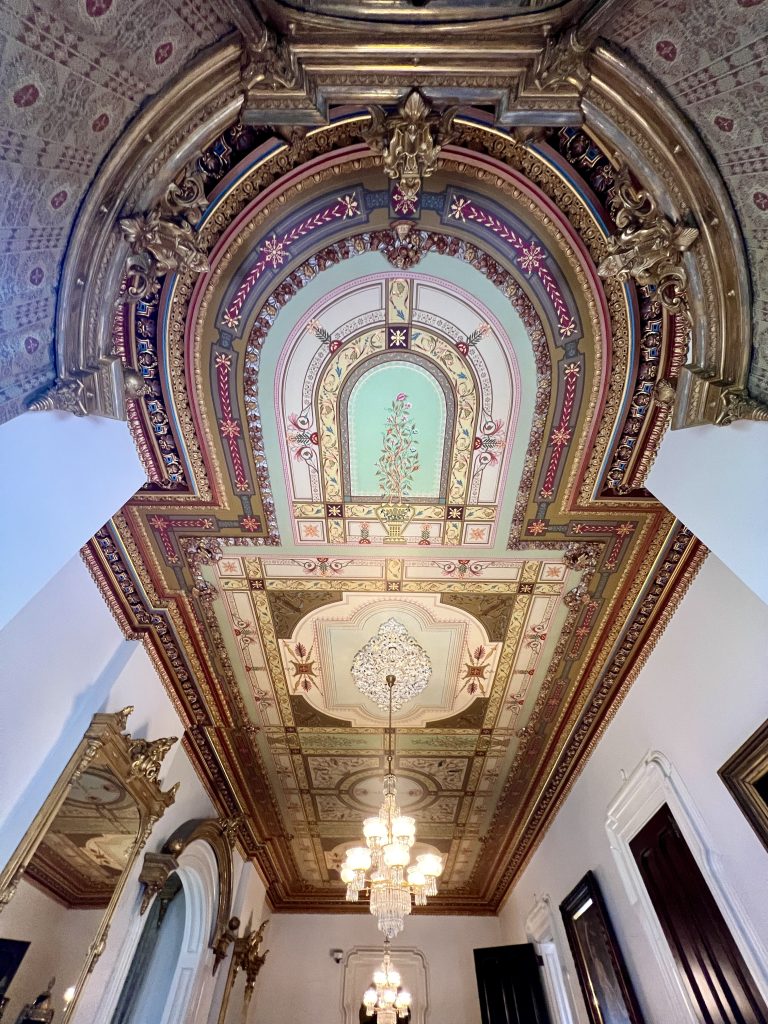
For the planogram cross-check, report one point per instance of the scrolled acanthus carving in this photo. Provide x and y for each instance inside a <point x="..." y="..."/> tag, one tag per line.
<point x="648" y="247"/>
<point x="409" y="141"/>
<point x="147" y="756"/>
<point x="737" y="404"/>
<point x="268" y="61"/>
<point x="563" y="57"/>
<point x="65" y="396"/>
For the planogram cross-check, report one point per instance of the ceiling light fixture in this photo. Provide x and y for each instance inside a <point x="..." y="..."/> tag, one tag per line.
<point x="383" y="866"/>
<point x="385" y="997"/>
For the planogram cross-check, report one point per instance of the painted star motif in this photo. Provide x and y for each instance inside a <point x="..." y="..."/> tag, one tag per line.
<point x="351" y="208"/>
<point x="568" y="328"/>
<point x="572" y="370"/>
<point x="397" y="338"/>
<point x="274" y="252"/>
<point x="457" y="208"/>
<point x="231" y="321"/>
<point x="561" y="436"/>
<point x="250" y="523"/>
<point x="625" y="529"/>
<point x="531" y="258"/>
<point x="230" y="428"/>
<point x="537" y="527"/>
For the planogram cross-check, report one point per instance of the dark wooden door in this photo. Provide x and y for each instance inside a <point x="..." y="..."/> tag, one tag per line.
<point x="509" y="985"/>
<point x="710" y="964"/>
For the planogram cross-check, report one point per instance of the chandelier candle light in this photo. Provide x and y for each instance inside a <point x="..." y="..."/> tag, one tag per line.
<point x="385" y="997"/>
<point x="383" y="866"/>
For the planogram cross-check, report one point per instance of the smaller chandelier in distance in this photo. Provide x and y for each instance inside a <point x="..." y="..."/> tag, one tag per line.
<point x="383" y="866"/>
<point x="385" y="997"/>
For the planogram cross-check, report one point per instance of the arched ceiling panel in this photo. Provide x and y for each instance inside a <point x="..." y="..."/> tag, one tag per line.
<point x="528" y="564"/>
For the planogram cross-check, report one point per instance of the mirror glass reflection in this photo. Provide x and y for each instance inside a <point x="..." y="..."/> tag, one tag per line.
<point x="62" y="896"/>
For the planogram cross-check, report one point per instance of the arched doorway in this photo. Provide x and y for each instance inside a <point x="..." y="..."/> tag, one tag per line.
<point x="164" y="982"/>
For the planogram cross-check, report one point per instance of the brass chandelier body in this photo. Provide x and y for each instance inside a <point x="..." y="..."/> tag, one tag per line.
<point x="383" y="866"/>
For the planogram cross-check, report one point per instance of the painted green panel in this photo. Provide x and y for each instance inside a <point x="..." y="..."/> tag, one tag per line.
<point x="370" y="404"/>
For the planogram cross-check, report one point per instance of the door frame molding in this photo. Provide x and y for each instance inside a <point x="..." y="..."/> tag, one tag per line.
<point x="655" y="782"/>
<point x="542" y="928"/>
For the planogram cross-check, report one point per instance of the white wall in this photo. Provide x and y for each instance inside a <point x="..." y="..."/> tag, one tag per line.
<point x="63" y="477"/>
<point x="715" y="479"/>
<point x="703" y="691"/>
<point x="63" y="658"/>
<point x="59" y="939"/>
<point x="300" y="981"/>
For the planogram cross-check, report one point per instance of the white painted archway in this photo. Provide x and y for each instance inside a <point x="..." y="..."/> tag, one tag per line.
<point x="192" y="977"/>
<point x="199" y="875"/>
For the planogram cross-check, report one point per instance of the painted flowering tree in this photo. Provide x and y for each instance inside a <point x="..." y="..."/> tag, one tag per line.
<point x="399" y="459"/>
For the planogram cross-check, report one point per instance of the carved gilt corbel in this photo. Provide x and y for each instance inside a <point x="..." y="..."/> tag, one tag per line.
<point x="409" y="141"/>
<point x="648" y="247"/>
<point x="737" y="404"/>
<point x="154" y="874"/>
<point x="158" y="245"/>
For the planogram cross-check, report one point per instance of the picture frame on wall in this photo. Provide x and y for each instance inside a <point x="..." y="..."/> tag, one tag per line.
<point x="745" y="773"/>
<point x="602" y="973"/>
<point x="12" y="952"/>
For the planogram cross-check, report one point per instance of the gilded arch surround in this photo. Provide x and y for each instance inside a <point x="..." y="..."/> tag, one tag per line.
<point x="571" y="593"/>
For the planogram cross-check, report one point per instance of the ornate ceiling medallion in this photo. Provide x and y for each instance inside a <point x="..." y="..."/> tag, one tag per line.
<point x="392" y="651"/>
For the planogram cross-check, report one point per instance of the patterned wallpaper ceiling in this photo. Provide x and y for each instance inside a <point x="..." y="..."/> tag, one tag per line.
<point x="73" y="74"/>
<point x="712" y="57"/>
<point x="377" y="407"/>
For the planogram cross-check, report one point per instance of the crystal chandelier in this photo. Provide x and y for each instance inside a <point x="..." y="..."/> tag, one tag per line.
<point x="383" y="866"/>
<point x="385" y="997"/>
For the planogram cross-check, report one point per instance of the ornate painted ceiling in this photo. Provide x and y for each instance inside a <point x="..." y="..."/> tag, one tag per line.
<point x="381" y="403"/>
<point x="73" y="75"/>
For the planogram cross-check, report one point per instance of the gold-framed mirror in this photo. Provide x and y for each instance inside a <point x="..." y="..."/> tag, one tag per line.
<point x="60" y="887"/>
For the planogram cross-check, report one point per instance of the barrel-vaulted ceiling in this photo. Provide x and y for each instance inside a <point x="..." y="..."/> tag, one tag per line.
<point x="376" y="405"/>
<point x="397" y="337"/>
<point x="73" y="75"/>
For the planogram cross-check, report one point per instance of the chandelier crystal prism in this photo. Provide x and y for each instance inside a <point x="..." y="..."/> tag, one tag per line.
<point x="385" y="997"/>
<point x="383" y="866"/>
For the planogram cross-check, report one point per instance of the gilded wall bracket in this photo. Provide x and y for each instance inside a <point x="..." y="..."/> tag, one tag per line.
<point x="155" y="871"/>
